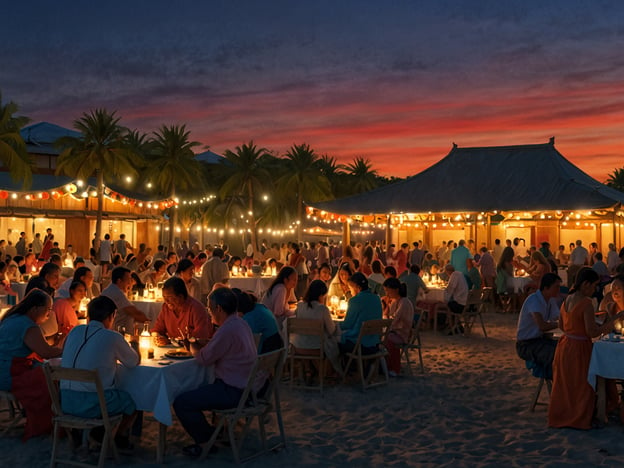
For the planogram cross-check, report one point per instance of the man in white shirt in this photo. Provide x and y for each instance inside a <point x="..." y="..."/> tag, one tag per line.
<point x="539" y="314"/>
<point x="214" y="271"/>
<point x="96" y="346"/>
<point x="127" y="313"/>
<point x="578" y="259"/>
<point x="613" y="260"/>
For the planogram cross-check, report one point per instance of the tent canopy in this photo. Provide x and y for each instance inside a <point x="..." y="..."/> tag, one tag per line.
<point x="523" y="177"/>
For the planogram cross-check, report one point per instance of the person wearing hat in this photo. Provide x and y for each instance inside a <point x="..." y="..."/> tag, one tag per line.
<point x="364" y="305"/>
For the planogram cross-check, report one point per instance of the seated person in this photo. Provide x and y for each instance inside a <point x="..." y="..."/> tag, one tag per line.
<point x="96" y="346"/>
<point x="414" y="283"/>
<point x="474" y="276"/>
<point x="232" y="352"/>
<point x="364" y="305"/>
<point x="66" y="309"/>
<point x="186" y="271"/>
<point x="22" y="347"/>
<point x="156" y="275"/>
<point x="313" y="307"/>
<point x="401" y="310"/>
<point x="127" y="313"/>
<point x="339" y="286"/>
<point x="84" y="274"/>
<point x="456" y="292"/>
<point x="613" y="301"/>
<point x="181" y="314"/>
<point x="324" y="274"/>
<point x="538" y="315"/>
<point x="47" y="280"/>
<point x="261" y="320"/>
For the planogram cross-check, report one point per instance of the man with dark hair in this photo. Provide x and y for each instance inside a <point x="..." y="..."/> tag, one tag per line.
<point x="539" y="314"/>
<point x="181" y="314"/>
<point x="414" y="284"/>
<point x="20" y="246"/>
<point x="95" y="346"/>
<point x="214" y="271"/>
<point x="232" y="352"/>
<point x="127" y="313"/>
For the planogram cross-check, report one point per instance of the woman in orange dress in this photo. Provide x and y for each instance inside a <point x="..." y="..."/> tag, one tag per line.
<point x="573" y="400"/>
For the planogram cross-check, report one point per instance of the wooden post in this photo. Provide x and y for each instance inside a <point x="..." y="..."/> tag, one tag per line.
<point x="346" y="236"/>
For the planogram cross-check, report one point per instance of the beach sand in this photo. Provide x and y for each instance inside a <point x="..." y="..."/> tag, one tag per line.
<point x="469" y="408"/>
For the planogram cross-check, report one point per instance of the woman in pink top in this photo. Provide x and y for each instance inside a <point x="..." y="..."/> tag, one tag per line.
<point x="401" y="311"/>
<point x="66" y="309"/>
<point x="279" y="295"/>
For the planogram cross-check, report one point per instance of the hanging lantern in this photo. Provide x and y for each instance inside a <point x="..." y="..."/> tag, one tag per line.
<point x="56" y="195"/>
<point x="45" y="195"/>
<point x="4" y="194"/>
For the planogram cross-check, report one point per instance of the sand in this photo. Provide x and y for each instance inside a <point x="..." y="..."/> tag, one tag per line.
<point x="469" y="408"/>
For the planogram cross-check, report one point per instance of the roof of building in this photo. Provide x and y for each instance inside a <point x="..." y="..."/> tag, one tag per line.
<point x="40" y="137"/>
<point x="523" y="177"/>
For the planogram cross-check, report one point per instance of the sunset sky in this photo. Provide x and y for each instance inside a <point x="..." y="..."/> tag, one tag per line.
<point x="395" y="82"/>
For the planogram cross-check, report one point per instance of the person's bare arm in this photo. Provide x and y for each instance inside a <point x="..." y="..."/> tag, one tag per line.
<point x="36" y="342"/>
<point x="543" y="325"/>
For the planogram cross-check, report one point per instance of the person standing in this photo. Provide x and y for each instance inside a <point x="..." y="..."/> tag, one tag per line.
<point x="214" y="271"/>
<point x="106" y="253"/>
<point x="487" y="267"/>
<point x="20" y="246"/>
<point x="122" y="246"/>
<point x="579" y="257"/>
<point x="459" y="257"/>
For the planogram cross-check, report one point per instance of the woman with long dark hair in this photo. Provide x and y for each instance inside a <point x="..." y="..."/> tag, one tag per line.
<point x="340" y="284"/>
<point x="572" y="401"/>
<point x="281" y="293"/>
<point x="313" y="307"/>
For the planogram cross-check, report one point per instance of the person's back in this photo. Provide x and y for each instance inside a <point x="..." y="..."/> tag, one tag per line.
<point x="414" y="284"/>
<point x="459" y="257"/>
<point x="362" y="307"/>
<point x="261" y="320"/>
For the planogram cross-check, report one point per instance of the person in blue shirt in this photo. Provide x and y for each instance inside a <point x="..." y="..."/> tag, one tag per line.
<point x="261" y="320"/>
<point x="364" y="305"/>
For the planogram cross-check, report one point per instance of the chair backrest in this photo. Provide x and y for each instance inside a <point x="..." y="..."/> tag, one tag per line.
<point x="54" y="375"/>
<point x="474" y="297"/>
<point x="378" y="327"/>
<point x="269" y="365"/>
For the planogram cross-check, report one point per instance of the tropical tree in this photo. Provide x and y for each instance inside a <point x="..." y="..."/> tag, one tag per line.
<point x="363" y="177"/>
<point x="304" y="178"/>
<point x="246" y="175"/>
<point x="172" y="167"/>
<point x="101" y="151"/>
<point x="13" y="154"/>
<point x="616" y="179"/>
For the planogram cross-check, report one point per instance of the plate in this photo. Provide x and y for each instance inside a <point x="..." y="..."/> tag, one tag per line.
<point x="178" y="355"/>
<point x="165" y="363"/>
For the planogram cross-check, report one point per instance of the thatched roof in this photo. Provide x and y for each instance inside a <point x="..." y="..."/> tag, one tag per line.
<point x="523" y="177"/>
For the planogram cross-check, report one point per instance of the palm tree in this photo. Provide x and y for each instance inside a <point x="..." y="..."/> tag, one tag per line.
<point x="246" y="176"/>
<point x="172" y="167"/>
<point x="100" y="150"/>
<point x="13" y="154"/>
<point x="304" y="178"/>
<point x="616" y="179"/>
<point x="363" y="177"/>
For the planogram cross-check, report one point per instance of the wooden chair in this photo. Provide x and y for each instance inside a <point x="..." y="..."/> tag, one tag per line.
<point x="375" y="360"/>
<point x="414" y="342"/>
<point x="13" y="410"/>
<point x="254" y="405"/>
<point x="309" y="327"/>
<point x="487" y="299"/>
<point x="538" y="372"/>
<point x="535" y="400"/>
<point x="472" y="310"/>
<point x="66" y="421"/>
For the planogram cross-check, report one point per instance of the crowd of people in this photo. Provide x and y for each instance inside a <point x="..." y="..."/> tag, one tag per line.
<point x="220" y="323"/>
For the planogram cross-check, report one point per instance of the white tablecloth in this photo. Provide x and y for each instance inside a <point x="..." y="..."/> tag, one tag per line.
<point x="607" y="360"/>
<point x="519" y="282"/>
<point x="154" y="387"/>
<point x="256" y="284"/>
<point x="434" y="295"/>
<point x="149" y="308"/>
<point x="20" y="289"/>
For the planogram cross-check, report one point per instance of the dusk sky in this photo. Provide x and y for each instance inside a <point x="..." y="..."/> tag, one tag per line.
<point x="396" y="82"/>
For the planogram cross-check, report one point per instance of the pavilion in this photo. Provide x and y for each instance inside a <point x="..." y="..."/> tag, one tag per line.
<point x="483" y="193"/>
<point x="69" y="206"/>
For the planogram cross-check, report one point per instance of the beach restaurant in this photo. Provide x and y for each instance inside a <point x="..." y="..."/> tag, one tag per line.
<point x="485" y="193"/>
<point x="69" y="206"/>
